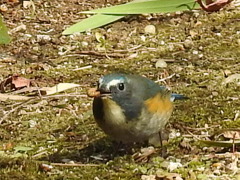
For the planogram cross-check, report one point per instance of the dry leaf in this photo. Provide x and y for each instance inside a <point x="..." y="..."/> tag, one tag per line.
<point x="232" y="134"/>
<point x="144" y="155"/>
<point x="20" y="82"/>
<point x="212" y="6"/>
<point x="174" y="165"/>
<point x="231" y="78"/>
<point x="5" y="97"/>
<point x="148" y="177"/>
<point x="58" y="88"/>
<point x="167" y="176"/>
<point x="14" y="82"/>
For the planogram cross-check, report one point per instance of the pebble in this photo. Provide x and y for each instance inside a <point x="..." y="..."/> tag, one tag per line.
<point x="188" y="43"/>
<point x="160" y="64"/>
<point x="150" y="29"/>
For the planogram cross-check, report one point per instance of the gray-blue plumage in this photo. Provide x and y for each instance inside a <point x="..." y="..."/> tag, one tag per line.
<point x="124" y="110"/>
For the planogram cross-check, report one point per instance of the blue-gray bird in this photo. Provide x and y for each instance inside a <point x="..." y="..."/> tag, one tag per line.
<point x="132" y="108"/>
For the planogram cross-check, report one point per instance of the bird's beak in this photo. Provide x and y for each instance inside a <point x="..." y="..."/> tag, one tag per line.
<point x="104" y="90"/>
<point x="101" y="91"/>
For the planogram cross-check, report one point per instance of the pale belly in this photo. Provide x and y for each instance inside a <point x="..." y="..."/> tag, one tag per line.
<point x="115" y="124"/>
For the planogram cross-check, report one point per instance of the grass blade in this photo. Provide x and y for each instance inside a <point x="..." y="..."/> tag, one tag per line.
<point x="92" y="22"/>
<point x="153" y="6"/>
<point x="107" y="15"/>
<point x="4" y="37"/>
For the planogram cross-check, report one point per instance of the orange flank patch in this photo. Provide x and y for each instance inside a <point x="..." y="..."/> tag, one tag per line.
<point x="159" y="104"/>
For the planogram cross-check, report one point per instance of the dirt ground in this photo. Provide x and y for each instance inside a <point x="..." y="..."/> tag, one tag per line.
<point x="56" y="137"/>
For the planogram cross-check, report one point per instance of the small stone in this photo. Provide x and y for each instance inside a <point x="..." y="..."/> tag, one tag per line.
<point x="215" y="93"/>
<point x="150" y="29"/>
<point x="188" y="43"/>
<point x="32" y="123"/>
<point x="84" y="43"/>
<point x="3" y="8"/>
<point x="160" y="64"/>
<point x="20" y="28"/>
<point x="195" y="52"/>
<point x="43" y="38"/>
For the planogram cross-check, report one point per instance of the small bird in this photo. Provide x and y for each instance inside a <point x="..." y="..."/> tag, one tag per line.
<point x="131" y="108"/>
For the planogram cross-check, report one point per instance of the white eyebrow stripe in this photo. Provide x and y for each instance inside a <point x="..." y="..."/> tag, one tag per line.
<point x="113" y="83"/>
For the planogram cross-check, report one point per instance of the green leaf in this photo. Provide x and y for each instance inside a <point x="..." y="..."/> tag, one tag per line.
<point x="153" y="6"/>
<point x="22" y="149"/>
<point x="92" y="22"/>
<point x="4" y="37"/>
<point x="107" y="15"/>
<point x="220" y="143"/>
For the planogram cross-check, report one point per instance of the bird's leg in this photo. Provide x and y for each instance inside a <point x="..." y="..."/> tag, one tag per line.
<point x="160" y="139"/>
<point x="161" y="144"/>
<point x="163" y="149"/>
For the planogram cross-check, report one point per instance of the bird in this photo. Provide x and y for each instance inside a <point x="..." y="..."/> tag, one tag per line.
<point x="132" y="108"/>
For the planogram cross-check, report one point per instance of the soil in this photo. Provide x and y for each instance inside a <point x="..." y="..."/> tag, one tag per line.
<point x="56" y="137"/>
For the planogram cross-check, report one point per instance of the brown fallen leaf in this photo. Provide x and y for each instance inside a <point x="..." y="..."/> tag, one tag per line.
<point x="20" y="82"/>
<point x="232" y="134"/>
<point x="14" y="82"/>
<point x="212" y="6"/>
<point x="7" y="146"/>
<point x="144" y="155"/>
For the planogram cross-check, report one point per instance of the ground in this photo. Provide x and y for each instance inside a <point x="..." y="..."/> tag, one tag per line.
<point x="202" y="55"/>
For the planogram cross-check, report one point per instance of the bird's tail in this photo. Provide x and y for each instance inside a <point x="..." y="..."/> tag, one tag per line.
<point x="175" y="96"/>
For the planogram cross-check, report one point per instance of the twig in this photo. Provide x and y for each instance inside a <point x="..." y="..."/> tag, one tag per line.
<point x="200" y="129"/>
<point x="223" y="155"/>
<point x="15" y="109"/>
<point x="101" y="54"/>
<point x="133" y="49"/>
<point x="164" y="79"/>
<point x="33" y="99"/>
<point x="193" y="135"/>
<point x="26" y="89"/>
<point x="64" y="95"/>
<point x="84" y="67"/>
<point x="74" y="165"/>
<point x="39" y="154"/>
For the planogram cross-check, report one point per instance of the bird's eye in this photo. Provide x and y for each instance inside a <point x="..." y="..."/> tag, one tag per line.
<point x="121" y="86"/>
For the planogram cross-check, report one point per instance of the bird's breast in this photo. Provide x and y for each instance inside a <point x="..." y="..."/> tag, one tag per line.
<point x="153" y="116"/>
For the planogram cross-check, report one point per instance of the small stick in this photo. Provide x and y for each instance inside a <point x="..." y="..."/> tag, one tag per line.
<point x="81" y="68"/>
<point x="163" y="79"/>
<point x="74" y="165"/>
